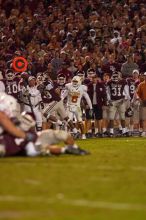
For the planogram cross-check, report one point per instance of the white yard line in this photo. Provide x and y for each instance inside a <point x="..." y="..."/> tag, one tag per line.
<point x="76" y="202"/>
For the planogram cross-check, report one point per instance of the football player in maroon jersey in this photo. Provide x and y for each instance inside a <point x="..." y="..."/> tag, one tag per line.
<point x="133" y="82"/>
<point x="12" y="83"/>
<point x="118" y="94"/>
<point x="53" y="103"/>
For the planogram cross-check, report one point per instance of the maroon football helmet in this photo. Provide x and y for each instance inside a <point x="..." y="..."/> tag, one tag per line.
<point x="61" y="79"/>
<point x="9" y="75"/>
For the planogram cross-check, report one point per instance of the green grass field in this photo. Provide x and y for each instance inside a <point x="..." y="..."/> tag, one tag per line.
<point x="108" y="184"/>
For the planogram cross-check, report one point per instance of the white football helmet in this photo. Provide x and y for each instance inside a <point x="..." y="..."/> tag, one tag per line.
<point x="8" y="105"/>
<point x="26" y="121"/>
<point x="76" y="81"/>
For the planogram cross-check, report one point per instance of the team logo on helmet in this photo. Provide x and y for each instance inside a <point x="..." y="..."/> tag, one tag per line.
<point x="129" y="112"/>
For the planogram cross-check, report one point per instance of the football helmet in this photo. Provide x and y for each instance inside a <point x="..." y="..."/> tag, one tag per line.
<point x="9" y="75"/>
<point x="91" y="73"/>
<point x="81" y="74"/>
<point x="61" y="79"/>
<point x="26" y="121"/>
<point x="24" y="75"/>
<point x="39" y="78"/>
<point x="8" y="105"/>
<point x="129" y="112"/>
<point x="76" y="81"/>
<point x="115" y="76"/>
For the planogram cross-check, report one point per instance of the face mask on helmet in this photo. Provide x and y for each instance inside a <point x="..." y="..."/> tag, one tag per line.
<point x="39" y="78"/>
<point x="9" y="75"/>
<point x="81" y="75"/>
<point x="45" y="77"/>
<point x="8" y="105"/>
<point x="61" y="80"/>
<point x="76" y="81"/>
<point x="115" y="77"/>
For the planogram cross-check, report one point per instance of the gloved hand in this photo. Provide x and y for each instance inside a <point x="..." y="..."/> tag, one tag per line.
<point x="91" y="113"/>
<point x="31" y="137"/>
<point x="26" y="93"/>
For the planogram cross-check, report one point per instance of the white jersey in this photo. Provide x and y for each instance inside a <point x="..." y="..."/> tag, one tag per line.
<point x="35" y="95"/>
<point x="75" y="94"/>
<point x="49" y="137"/>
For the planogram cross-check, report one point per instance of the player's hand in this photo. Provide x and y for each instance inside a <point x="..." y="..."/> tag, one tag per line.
<point x="26" y="92"/>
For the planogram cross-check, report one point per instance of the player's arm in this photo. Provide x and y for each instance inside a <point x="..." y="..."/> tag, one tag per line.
<point x="126" y="92"/>
<point x="64" y="94"/>
<point x="88" y="100"/>
<point x="9" y="126"/>
<point x="108" y="91"/>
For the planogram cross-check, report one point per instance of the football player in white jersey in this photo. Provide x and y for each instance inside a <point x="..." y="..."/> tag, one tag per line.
<point x="74" y="93"/>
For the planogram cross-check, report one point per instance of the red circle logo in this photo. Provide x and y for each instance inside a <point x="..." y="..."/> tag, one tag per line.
<point x="20" y="64"/>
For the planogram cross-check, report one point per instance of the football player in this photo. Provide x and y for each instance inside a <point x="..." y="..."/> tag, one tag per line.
<point x="74" y="93"/>
<point x="117" y="94"/>
<point x="12" y="84"/>
<point x="53" y="103"/>
<point x="133" y="83"/>
<point x="17" y="135"/>
<point x="13" y="140"/>
<point x="32" y="100"/>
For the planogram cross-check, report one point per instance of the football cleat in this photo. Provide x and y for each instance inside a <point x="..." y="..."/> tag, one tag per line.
<point x="89" y="135"/>
<point x="76" y="151"/>
<point x="76" y="135"/>
<point x="111" y="135"/>
<point x="98" y="135"/>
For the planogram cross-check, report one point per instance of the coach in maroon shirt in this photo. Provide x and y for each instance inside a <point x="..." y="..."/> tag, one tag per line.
<point x="97" y="94"/>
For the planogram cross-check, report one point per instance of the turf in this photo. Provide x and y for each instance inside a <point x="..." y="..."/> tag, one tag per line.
<point x="108" y="184"/>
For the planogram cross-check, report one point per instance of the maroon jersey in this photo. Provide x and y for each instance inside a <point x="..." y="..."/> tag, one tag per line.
<point x="13" y="87"/>
<point x="132" y="84"/>
<point x="86" y="81"/>
<point x="116" y="89"/>
<point x="101" y="96"/>
<point x="61" y="87"/>
<point x="13" y="146"/>
<point x="49" y="93"/>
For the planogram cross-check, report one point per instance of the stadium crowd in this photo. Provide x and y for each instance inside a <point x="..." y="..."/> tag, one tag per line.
<point x="86" y="64"/>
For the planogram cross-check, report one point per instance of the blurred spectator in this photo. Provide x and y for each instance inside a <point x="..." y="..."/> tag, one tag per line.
<point x="128" y="67"/>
